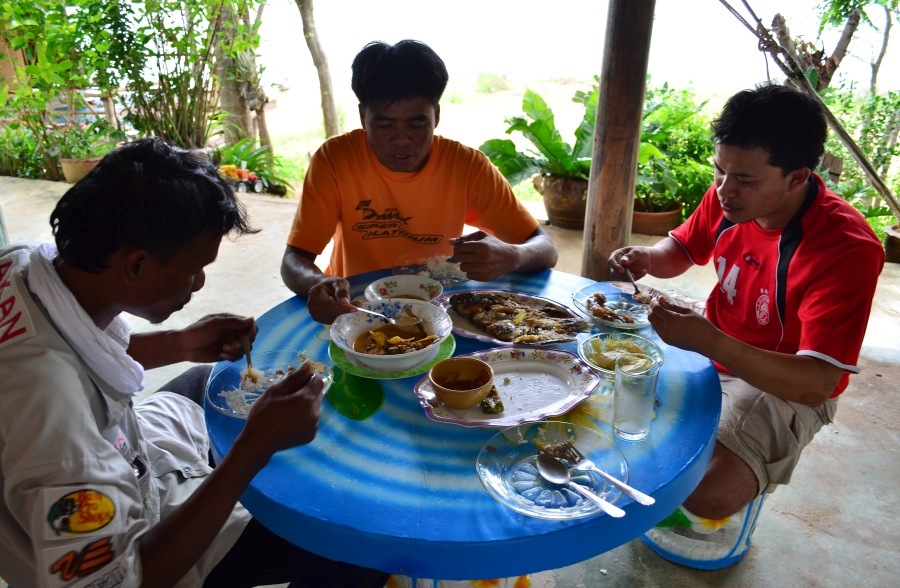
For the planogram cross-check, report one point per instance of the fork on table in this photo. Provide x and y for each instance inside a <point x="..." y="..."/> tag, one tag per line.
<point x="580" y="462"/>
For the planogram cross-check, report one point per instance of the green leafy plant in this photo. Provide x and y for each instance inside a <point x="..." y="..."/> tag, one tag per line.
<point x="873" y="120"/>
<point x="47" y="48"/>
<point x="79" y="140"/>
<point x="865" y="199"/>
<point x="19" y="153"/>
<point x="550" y="154"/>
<point x="674" y="157"/>
<point x="275" y="176"/>
<point x="172" y="68"/>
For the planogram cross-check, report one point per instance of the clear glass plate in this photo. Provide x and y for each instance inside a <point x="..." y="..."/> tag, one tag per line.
<point x="621" y="303"/>
<point x="224" y="393"/>
<point x="506" y="468"/>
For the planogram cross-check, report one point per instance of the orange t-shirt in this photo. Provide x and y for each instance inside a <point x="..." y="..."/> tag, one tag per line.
<point x="376" y="215"/>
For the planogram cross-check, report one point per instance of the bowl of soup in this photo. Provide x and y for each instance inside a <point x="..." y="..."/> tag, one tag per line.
<point x="406" y="287"/>
<point x="461" y="382"/>
<point x="374" y="343"/>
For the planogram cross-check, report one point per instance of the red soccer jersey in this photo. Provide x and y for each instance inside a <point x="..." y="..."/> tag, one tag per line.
<point x="805" y="289"/>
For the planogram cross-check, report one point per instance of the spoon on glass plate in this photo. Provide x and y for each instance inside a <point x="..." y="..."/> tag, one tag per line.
<point x="642" y="297"/>
<point x="556" y="471"/>
<point x="403" y="321"/>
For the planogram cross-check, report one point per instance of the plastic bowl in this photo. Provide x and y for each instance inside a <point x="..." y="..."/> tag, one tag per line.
<point x="590" y="347"/>
<point x="223" y="391"/>
<point x="406" y="287"/>
<point x="347" y="327"/>
<point x="461" y="382"/>
<point x="431" y="262"/>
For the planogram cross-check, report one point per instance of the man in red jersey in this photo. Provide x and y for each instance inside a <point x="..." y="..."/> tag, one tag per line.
<point x="797" y="268"/>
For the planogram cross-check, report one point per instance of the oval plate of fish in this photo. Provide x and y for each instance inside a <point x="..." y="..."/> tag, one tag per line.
<point x="504" y="317"/>
<point x="619" y="310"/>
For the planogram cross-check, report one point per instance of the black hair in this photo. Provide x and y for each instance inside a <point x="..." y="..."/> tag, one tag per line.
<point x="787" y="123"/>
<point x="385" y="74"/>
<point x="145" y="194"/>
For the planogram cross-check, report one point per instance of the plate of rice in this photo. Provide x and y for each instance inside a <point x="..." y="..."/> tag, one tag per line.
<point x="436" y="263"/>
<point x="232" y="388"/>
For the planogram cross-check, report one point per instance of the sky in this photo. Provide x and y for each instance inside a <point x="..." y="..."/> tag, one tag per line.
<point x="696" y="43"/>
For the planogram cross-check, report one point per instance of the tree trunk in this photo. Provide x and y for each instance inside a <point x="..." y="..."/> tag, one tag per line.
<point x="329" y="109"/>
<point x="264" y="138"/>
<point x="876" y="65"/>
<point x="840" y="50"/>
<point x="237" y="122"/>
<point x="610" y="200"/>
<point x="808" y="57"/>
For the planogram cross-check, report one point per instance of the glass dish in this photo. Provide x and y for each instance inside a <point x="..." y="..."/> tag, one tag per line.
<point x="621" y="303"/>
<point x="585" y="349"/>
<point x="506" y="468"/>
<point x="223" y="391"/>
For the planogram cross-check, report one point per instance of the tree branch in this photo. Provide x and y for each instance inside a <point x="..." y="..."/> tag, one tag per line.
<point x="876" y="65"/>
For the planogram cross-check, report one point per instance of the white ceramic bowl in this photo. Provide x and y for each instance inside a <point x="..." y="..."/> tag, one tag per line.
<point x="347" y="327"/>
<point x="406" y="287"/>
<point x="588" y="348"/>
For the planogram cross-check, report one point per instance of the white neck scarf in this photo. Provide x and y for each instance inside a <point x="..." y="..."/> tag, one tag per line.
<point x="103" y="351"/>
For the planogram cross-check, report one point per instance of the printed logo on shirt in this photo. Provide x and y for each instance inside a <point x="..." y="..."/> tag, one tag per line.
<point x="387" y="224"/>
<point x="762" y="308"/>
<point x="83" y="559"/>
<point x="751" y="260"/>
<point x="76" y="511"/>
<point x="15" y="322"/>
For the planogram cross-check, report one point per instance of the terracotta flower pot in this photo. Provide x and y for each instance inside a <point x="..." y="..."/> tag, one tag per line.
<point x="655" y="223"/>
<point x="565" y="200"/>
<point x="892" y="244"/>
<point x="75" y="169"/>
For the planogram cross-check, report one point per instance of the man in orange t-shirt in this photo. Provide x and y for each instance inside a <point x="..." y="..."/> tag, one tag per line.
<point x="393" y="187"/>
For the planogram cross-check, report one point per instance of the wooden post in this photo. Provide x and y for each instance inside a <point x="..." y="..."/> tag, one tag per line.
<point x="617" y="133"/>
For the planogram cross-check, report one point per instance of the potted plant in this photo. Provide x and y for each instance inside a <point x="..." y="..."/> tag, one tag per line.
<point x="560" y="170"/>
<point x="80" y="147"/>
<point x="673" y="170"/>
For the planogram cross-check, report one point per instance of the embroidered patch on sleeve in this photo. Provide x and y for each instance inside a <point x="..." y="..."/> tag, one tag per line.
<point x="77" y="511"/>
<point x="75" y="562"/>
<point x="15" y="322"/>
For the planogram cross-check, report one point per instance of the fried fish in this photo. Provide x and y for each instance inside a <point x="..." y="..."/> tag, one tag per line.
<point x="505" y="318"/>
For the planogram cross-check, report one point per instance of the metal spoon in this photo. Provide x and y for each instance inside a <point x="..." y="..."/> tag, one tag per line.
<point x="403" y="321"/>
<point x="631" y="279"/>
<point x="245" y="341"/>
<point x="556" y="471"/>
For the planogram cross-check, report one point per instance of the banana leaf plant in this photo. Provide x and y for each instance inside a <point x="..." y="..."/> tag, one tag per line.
<point x="550" y="154"/>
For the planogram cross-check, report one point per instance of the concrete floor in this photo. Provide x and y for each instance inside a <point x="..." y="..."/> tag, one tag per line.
<point x="834" y="525"/>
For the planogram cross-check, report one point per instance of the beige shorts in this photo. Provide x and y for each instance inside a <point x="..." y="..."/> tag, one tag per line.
<point x="768" y="433"/>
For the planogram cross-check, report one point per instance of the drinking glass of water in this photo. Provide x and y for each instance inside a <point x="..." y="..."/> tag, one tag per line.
<point x="634" y="395"/>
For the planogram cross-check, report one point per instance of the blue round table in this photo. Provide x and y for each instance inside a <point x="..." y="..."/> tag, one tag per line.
<point x="398" y="491"/>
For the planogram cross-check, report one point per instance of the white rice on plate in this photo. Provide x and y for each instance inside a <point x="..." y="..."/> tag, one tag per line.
<point x="254" y="383"/>
<point x="437" y="267"/>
